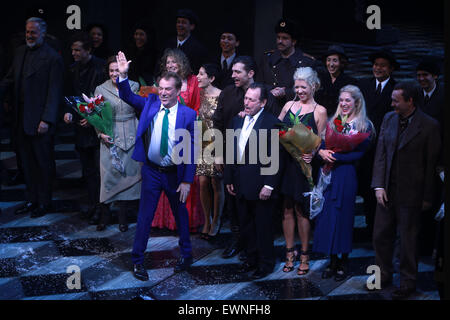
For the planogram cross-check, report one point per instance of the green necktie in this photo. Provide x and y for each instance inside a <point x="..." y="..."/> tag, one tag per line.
<point x="165" y="134"/>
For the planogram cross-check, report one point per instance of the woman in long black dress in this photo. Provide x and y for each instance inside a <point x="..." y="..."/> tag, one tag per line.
<point x="334" y="79"/>
<point x="294" y="184"/>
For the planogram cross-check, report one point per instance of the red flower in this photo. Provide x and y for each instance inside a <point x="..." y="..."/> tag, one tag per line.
<point x="82" y="108"/>
<point x="337" y="122"/>
<point x="98" y="101"/>
<point x="91" y="106"/>
<point x="102" y="99"/>
<point x="282" y="133"/>
<point x="310" y="129"/>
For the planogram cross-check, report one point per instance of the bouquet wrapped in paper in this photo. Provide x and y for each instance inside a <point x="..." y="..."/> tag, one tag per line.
<point x="339" y="137"/>
<point x="299" y="140"/>
<point x="99" y="114"/>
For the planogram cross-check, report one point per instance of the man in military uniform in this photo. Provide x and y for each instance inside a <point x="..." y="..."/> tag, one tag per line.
<point x="277" y="67"/>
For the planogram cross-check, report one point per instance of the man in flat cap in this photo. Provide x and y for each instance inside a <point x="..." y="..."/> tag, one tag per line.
<point x="196" y="52"/>
<point x="377" y="92"/>
<point x="277" y="67"/>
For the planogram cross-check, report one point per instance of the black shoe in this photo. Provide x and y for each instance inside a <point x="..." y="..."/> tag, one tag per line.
<point x="259" y="274"/>
<point x="383" y="285"/>
<point x="39" y="212"/>
<point x="231" y="250"/>
<point x="341" y="274"/>
<point x="183" y="264"/>
<point x="247" y="267"/>
<point x="329" y="271"/>
<point x="402" y="293"/>
<point x="123" y="227"/>
<point x="242" y="255"/>
<point x="139" y="272"/>
<point x="27" y="207"/>
<point x="95" y="216"/>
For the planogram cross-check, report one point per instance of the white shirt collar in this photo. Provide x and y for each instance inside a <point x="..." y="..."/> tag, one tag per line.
<point x="180" y="43"/>
<point x="256" y="116"/>
<point x="229" y="60"/>
<point x="383" y="84"/>
<point x="429" y="94"/>
<point x="172" y="109"/>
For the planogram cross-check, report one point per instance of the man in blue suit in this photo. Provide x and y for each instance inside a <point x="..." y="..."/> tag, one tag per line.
<point x="157" y="136"/>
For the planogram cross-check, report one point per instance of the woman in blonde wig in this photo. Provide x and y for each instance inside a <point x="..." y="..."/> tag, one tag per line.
<point x="348" y="135"/>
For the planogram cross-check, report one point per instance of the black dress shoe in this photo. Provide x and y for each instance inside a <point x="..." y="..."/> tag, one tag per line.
<point x="242" y="255"/>
<point x="123" y="227"/>
<point x="27" y="207"/>
<point x="259" y="274"/>
<point x="183" y="264"/>
<point x="139" y="272"/>
<point x="39" y="212"/>
<point x="231" y="251"/>
<point x="247" y="267"/>
<point x="402" y="293"/>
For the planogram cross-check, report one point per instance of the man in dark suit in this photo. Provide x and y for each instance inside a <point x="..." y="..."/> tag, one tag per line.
<point x="230" y="103"/>
<point x="255" y="191"/>
<point x="229" y="41"/>
<point x="377" y="92"/>
<point x="196" y="52"/>
<point x="403" y="179"/>
<point x="156" y="138"/>
<point x="277" y="67"/>
<point x="83" y="76"/>
<point x="431" y="102"/>
<point x="37" y="76"/>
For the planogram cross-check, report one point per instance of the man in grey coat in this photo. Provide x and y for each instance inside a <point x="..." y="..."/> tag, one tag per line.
<point x="403" y="179"/>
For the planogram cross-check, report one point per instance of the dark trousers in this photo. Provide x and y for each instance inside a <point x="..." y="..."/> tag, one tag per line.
<point x="153" y="182"/>
<point x="257" y="231"/>
<point x="365" y="170"/>
<point x="387" y="221"/>
<point x="38" y="165"/>
<point x="90" y="167"/>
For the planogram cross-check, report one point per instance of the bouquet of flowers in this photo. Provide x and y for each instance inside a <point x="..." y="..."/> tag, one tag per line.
<point x="145" y="90"/>
<point x="99" y="114"/>
<point x="298" y="140"/>
<point x="339" y="137"/>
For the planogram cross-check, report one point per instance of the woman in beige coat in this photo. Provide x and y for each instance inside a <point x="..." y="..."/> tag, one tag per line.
<point x="120" y="182"/>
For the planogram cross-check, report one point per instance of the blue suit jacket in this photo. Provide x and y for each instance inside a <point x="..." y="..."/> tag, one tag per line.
<point x="149" y="107"/>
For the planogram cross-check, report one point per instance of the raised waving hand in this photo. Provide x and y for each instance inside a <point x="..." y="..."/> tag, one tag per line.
<point x="123" y="64"/>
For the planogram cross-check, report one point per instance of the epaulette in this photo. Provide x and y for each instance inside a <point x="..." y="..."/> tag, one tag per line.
<point x="309" y="56"/>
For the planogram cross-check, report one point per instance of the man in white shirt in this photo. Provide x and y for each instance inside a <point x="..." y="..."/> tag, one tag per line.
<point x="155" y="139"/>
<point x="255" y="192"/>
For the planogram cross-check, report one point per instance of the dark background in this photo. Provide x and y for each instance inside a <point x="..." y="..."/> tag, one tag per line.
<point x="326" y="20"/>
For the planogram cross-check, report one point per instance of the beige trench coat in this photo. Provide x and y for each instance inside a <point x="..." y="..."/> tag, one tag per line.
<point x="115" y="185"/>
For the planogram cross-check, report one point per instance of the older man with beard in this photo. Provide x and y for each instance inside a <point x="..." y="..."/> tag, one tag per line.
<point x="37" y="77"/>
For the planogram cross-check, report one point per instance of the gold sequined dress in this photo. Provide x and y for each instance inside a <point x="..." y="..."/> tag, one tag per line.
<point x="206" y="111"/>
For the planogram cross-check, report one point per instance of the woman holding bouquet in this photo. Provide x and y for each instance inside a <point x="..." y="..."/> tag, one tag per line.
<point x="294" y="181"/>
<point x="121" y="186"/>
<point x="347" y="137"/>
<point x="175" y="60"/>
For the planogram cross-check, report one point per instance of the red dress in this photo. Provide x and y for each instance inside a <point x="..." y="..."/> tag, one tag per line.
<point x="163" y="215"/>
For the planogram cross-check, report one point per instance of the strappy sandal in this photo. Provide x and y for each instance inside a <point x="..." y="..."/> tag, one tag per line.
<point x="303" y="262"/>
<point x="291" y="256"/>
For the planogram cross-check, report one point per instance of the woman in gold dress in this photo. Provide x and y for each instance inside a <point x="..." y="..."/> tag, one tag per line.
<point x="209" y="177"/>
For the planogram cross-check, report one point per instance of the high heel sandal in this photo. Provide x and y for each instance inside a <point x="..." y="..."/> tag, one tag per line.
<point x="303" y="262"/>
<point x="291" y="256"/>
<point x="215" y="229"/>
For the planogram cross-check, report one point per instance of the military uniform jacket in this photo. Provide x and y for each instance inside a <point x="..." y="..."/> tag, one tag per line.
<point x="274" y="71"/>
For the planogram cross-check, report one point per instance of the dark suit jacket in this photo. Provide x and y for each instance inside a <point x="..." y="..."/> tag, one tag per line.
<point x="417" y="156"/>
<point x="95" y="76"/>
<point x="435" y="106"/>
<point x="149" y="107"/>
<point x="377" y="106"/>
<point x="247" y="178"/>
<point x="224" y="77"/>
<point x="43" y="88"/>
<point x="194" y="50"/>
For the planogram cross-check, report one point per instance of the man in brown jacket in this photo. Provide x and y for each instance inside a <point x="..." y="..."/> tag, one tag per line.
<point x="403" y="176"/>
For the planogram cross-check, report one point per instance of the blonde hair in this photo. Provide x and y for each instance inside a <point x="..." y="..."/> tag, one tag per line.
<point x="362" y="123"/>
<point x="309" y="75"/>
